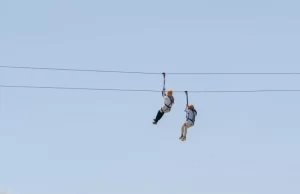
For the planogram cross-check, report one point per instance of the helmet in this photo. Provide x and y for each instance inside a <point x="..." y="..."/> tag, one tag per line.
<point x="170" y="92"/>
<point x="191" y="106"/>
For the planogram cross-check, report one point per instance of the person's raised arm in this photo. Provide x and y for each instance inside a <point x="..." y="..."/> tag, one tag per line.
<point x="163" y="93"/>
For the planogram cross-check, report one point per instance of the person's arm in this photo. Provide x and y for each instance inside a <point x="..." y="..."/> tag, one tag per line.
<point x="163" y="93"/>
<point x="186" y="108"/>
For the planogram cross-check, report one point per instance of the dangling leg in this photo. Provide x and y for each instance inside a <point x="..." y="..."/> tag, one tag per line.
<point x="184" y="133"/>
<point x="182" y="129"/>
<point x="159" y="115"/>
<point x="186" y="126"/>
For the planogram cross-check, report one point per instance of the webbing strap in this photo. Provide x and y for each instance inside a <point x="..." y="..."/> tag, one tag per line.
<point x="163" y="91"/>
<point x="187" y="98"/>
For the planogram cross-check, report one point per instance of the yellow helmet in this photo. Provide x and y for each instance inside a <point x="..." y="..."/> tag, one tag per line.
<point x="191" y="106"/>
<point x="170" y="92"/>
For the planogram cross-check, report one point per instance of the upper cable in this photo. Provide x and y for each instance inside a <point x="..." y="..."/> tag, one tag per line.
<point x="152" y="73"/>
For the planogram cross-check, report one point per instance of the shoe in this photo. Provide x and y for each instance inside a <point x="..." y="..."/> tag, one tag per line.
<point x="181" y="137"/>
<point x="154" y="122"/>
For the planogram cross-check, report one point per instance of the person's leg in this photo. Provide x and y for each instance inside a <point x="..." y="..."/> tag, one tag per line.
<point x="184" y="133"/>
<point x="182" y="129"/>
<point x="159" y="115"/>
<point x="187" y="125"/>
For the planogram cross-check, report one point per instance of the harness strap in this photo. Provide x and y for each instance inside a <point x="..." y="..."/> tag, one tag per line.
<point x="167" y="105"/>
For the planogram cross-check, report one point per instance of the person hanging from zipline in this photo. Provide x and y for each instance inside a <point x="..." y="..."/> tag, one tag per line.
<point x="191" y="114"/>
<point x="167" y="106"/>
<point x="168" y="102"/>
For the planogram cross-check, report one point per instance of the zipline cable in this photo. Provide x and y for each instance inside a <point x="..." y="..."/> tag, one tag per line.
<point x="68" y="69"/>
<point x="143" y="90"/>
<point x="151" y="73"/>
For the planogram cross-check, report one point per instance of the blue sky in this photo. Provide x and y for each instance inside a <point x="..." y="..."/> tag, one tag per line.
<point x="79" y="142"/>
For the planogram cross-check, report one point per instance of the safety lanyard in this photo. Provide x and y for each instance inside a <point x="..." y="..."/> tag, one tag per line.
<point x="187" y="98"/>
<point x="163" y="91"/>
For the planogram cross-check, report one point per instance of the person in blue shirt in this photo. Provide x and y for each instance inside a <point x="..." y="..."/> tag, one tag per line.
<point x="191" y="114"/>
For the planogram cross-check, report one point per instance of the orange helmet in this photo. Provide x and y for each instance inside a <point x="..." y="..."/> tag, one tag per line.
<point x="170" y="92"/>
<point x="191" y="106"/>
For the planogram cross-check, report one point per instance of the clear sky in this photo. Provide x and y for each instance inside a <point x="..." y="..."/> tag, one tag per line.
<point x="92" y="142"/>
